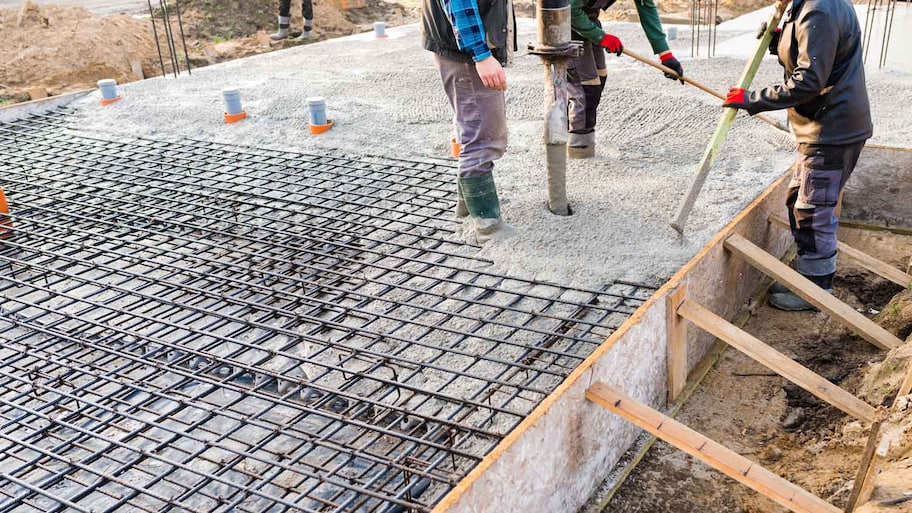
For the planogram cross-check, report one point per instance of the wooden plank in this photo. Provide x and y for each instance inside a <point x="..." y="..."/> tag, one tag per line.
<point x="805" y="289"/>
<point x="876" y="266"/>
<point x="708" y="451"/>
<point x="861" y="477"/>
<point x="776" y="361"/>
<point x="676" y="343"/>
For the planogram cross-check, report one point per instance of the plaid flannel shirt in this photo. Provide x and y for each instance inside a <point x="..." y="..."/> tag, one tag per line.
<point x="466" y="22"/>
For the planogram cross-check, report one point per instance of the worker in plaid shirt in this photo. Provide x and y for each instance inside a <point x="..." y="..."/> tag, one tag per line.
<point x="472" y="41"/>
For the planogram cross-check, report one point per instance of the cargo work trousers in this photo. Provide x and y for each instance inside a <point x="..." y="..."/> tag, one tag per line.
<point x="480" y="116"/>
<point x="306" y="6"/>
<point x="818" y="177"/>
<point x="586" y="76"/>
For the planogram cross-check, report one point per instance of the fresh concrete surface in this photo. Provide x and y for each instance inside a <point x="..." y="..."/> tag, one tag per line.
<point x="385" y="98"/>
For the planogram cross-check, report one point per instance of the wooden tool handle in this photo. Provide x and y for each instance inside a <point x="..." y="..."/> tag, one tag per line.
<point x="698" y="85"/>
<point x="725" y="123"/>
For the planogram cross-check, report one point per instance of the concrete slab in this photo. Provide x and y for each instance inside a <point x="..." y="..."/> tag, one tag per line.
<point x="385" y="98"/>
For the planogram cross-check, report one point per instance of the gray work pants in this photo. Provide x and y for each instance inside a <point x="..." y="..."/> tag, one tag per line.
<point x="306" y="7"/>
<point x="818" y="177"/>
<point x="480" y="116"/>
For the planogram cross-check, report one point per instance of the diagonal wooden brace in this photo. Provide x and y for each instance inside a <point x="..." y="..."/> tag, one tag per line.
<point x="776" y="361"/>
<point x="708" y="451"/>
<point x="807" y="290"/>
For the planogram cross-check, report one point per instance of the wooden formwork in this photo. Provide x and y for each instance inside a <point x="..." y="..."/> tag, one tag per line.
<point x="555" y="459"/>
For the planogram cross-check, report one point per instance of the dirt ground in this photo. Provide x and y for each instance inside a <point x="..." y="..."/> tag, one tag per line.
<point x="765" y="418"/>
<point x="61" y="49"/>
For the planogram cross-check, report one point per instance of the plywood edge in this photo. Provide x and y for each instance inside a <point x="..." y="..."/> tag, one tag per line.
<point x="26" y="109"/>
<point x="657" y="300"/>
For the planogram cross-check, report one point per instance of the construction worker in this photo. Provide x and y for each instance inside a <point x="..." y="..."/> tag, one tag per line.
<point x="285" y="20"/>
<point x="472" y="41"/>
<point x="820" y="48"/>
<point x="587" y="74"/>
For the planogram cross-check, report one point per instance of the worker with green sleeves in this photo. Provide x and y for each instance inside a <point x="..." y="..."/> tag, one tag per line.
<point x="587" y="74"/>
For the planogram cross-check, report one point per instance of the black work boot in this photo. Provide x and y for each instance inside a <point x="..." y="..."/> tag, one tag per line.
<point x="784" y="299"/>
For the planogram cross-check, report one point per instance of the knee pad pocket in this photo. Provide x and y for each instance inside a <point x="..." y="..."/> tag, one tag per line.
<point x="820" y="182"/>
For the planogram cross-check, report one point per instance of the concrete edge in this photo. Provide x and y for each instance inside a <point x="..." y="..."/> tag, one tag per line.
<point x="24" y="110"/>
<point x="556" y="458"/>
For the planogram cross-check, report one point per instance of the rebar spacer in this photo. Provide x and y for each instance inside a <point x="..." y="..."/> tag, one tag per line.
<point x="234" y="118"/>
<point x="319" y="129"/>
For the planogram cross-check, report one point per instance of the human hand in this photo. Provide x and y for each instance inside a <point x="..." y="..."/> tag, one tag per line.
<point x="736" y="98"/>
<point x="669" y="61"/>
<point x="492" y="74"/>
<point x="612" y="44"/>
<point x="774" y="41"/>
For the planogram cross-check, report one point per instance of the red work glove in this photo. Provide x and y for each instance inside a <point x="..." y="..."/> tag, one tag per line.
<point x="774" y="42"/>
<point x="669" y="61"/>
<point x="736" y="98"/>
<point x="612" y="44"/>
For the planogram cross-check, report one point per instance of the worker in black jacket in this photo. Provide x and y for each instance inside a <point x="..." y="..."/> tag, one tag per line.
<point x="820" y="48"/>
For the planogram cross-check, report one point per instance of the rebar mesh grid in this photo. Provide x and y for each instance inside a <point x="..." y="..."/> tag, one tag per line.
<point x="191" y="326"/>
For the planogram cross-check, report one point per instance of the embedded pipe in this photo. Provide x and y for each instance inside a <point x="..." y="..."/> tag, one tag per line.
<point x="234" y="112"/>
<point x="555" y="47"/>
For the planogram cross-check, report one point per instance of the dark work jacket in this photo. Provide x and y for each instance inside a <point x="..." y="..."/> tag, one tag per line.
<point x="437" y="33"/>
<point x="824" y="86"/>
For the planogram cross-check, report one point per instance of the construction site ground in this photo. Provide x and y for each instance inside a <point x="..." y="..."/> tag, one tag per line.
<point x="67" y="45"/>
<point x="764" y="417"/>
<point x="385" y="99"/>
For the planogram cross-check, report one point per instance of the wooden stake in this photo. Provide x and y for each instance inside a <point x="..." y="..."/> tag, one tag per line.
<point x="776" y="361"/>
<point x="676" y="351"/>
<point x="805" y="289"/>
<point x="863" y="486"/>
<point x="725" y="123"/>
<point x="712" y="453"/>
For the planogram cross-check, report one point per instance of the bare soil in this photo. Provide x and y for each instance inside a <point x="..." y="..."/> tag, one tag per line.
<point x="760" y="415"/>
<point x="67" y="48"/>
<point x="62" y="49"/>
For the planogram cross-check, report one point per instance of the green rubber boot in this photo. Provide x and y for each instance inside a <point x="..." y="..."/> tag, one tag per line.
<point x="461" y="209"/>
<point x="481" y="201"/>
